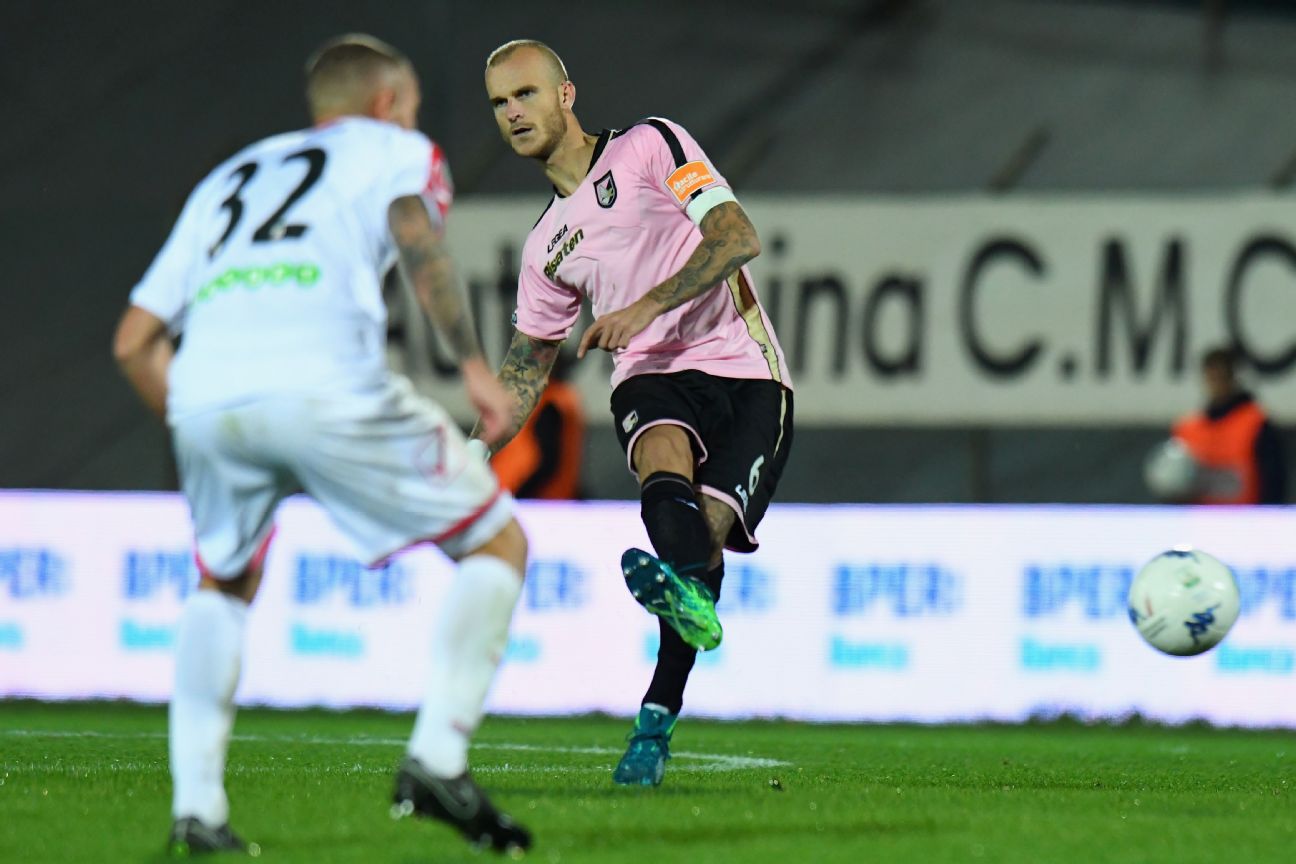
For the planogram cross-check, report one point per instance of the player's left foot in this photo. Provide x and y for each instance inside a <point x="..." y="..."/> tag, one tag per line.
<point x="459" y="802"/>
<point x="189" y="836"/>
<point x="644" y="762"/>
<point x="683" y="602"/>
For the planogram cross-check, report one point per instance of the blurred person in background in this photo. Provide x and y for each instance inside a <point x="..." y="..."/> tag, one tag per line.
<point x="273" y="273"/>
<point x="643" y="226"/>
<point x="544" y="459"/>
<point x="1227" y="453"/>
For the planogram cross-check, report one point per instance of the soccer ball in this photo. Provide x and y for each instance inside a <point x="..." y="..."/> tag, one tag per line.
<point x="1183" y="602"/>
<point x="1170" y="471"/>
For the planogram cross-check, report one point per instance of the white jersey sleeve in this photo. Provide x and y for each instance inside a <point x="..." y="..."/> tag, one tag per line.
<point x="166" y="286"/>
<point x="419" y="168"/>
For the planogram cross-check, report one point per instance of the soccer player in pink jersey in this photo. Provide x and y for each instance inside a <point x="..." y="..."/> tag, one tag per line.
<point x="644" y="226"/>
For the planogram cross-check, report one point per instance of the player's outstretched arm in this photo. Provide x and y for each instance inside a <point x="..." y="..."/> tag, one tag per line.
<point x="425" y="263"/>
<point x="142" y="348"/>
<point x="729" y="241"/>
<point x="525" y="374"/>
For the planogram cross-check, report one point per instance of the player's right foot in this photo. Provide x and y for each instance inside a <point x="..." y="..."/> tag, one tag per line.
<point x="459" y="803"/>
<point x="644" y="762"/>
<point x="189" y="836"/>
<point x="681" y="601"/>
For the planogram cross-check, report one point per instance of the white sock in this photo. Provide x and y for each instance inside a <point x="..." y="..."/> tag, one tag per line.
<point x="209" y="650"/>
<point x="468" y="643"/>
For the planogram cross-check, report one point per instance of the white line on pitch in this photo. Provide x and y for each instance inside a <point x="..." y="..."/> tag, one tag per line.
<point x="712" y="761"/>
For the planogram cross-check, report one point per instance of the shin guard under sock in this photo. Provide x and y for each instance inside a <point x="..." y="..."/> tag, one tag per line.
<point x="678" y="532"/>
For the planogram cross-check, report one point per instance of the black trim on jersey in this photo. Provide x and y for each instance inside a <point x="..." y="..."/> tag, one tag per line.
<point x="673" y="142"/>
<point x="543" y="212"/>
<point x="604" y="137"/>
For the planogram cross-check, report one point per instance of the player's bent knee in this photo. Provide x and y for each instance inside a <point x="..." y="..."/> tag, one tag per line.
<point x="509" y="545"/>
<point x="664" y="448"/>
<point x="241" y="587"/>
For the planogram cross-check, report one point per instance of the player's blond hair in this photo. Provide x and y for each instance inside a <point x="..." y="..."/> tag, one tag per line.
<point x="343" y="72"/>
<point x="505" y="51"/>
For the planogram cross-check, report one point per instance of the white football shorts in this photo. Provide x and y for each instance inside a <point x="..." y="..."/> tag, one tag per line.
<point x="389" y="466"/>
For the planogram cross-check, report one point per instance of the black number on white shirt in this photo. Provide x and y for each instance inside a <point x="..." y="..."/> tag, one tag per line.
<point x="274" y="228"/>
<point x="234" y="204"/>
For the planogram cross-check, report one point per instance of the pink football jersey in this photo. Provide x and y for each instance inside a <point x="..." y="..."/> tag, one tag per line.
<point x="630" y="225"/>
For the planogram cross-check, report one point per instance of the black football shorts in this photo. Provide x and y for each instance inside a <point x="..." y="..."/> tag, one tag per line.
<point x="741" y="431"/>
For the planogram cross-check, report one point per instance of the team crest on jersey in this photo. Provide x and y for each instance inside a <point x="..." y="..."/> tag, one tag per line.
<point x="605" y="190"/>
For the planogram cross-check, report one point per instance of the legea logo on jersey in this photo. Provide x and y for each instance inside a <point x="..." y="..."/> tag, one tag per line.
<point x="562" y="232"/>
<point x="149" y="573"/>
<point x="554" y="584"/>
<point x="1097" y="591"/>
<point x="555" y="262"/>
<point x="904" y="590"/>
<point x="323" y="579"/>
<point x="1264" y="588"/>
<point x="32" y="572"/>
<point x="746" y="589"/>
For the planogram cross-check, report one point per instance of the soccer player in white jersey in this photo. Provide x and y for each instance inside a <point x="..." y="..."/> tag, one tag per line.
<point x="273" y="274"/>
<point x="644" y="226"/>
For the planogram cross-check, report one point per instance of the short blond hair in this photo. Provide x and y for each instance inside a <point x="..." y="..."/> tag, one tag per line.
<point x="344" y="71"/>
<point x="505" y="51"/>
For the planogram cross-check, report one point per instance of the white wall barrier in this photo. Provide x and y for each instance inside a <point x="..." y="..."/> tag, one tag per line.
<point x="847" y="613"/>
<point x="1021" y="309"/>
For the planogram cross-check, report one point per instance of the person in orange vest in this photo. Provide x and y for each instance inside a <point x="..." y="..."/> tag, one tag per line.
<point x="544" y="459"/>
<point x="1237" y="450"/>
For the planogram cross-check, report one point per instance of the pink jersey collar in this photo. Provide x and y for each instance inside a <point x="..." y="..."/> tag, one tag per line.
<point x="604" y="137"/>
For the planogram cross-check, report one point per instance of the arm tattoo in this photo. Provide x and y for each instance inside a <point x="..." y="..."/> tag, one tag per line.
<point x="525" y="373"/>
<point x="728" y="242"/>
<point x="425" y="263"/>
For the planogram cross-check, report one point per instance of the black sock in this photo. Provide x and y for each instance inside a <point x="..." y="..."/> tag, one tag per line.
<point x="675" y="658"/>
<point x="713" y="580"/>
<point x="674" y="521"/>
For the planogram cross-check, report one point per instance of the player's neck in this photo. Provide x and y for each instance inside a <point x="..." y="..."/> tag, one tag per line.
<point x="332" y="117"/>
<point x="568" y="164"/>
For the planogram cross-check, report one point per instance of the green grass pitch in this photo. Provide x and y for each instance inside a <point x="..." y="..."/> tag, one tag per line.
<point x="88" y="782"/>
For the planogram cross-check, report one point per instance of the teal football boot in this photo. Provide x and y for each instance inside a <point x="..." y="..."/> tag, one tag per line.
<point x="683" y="602"/>
<point x="644" y="762"/>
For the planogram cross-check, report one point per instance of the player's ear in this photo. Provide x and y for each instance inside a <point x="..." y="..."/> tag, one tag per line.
<point x="382" y="102"/>
<point x="567" y="94"/>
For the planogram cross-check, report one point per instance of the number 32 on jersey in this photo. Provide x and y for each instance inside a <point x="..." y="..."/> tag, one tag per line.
<point x="277" y="226"/>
